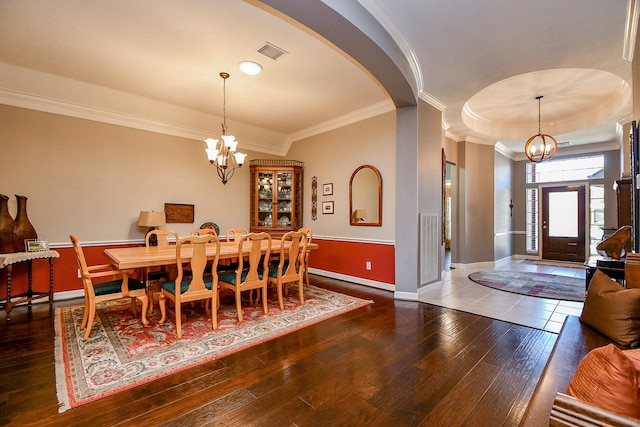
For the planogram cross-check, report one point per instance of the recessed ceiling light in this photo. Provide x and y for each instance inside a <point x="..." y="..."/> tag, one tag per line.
<point x="250" y="67"/>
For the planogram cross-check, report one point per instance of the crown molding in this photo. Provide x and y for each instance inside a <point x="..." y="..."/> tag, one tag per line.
<point x="630" y="29"/>
<point x="405" y="47"/>
<point x="502" y="149"/>
<point x="354" y="117"/>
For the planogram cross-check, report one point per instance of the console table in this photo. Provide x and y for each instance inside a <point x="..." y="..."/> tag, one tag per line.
<point x="7" y="260"/>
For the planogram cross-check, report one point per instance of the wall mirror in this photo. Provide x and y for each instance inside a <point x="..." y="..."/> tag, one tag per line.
<point x="365" y="197"/>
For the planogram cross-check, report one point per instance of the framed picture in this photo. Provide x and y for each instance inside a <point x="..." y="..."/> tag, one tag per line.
<point x="327" y="207"/>
<point x="179" y="212"/>
<point x="327" y="189"/>
<point x="34" y="245"/>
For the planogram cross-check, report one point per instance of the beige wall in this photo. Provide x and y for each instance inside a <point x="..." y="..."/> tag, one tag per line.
<point x="92" y="179"/>
<point x="332" y="157"/>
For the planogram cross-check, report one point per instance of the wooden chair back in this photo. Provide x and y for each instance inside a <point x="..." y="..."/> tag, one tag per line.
<point x="198" y="263"/>
<point x="233" y="234"/>
<point x="256" y="262"/>
<point x="162" y="237"/>
<point x="293" y="251"/>
<point x="204" y="232"/>
<point x="291" y="266"/>
<point x="309" y="234"/>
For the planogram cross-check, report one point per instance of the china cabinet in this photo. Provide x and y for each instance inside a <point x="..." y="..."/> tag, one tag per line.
<point x="276" y="195"/>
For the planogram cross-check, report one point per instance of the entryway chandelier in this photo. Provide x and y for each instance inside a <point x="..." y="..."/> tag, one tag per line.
<point x="223" y="154"/>
<point x="540" y="147"/>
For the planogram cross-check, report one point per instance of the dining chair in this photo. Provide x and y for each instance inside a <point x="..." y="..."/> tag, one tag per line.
<point x="309" y="234"/>
<point x="204" y="231"/>
<point x="252" y="271"/>
<point x="196" y="287"/>
<point x="234" y="233"/>
<point x="155" y="276"/>
<point x="120" y="286"/>
<point x="290" y="269"/>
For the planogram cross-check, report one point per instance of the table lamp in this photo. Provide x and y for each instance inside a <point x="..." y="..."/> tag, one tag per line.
<point x="360" y="215"/>
<point x="152" y="220"/>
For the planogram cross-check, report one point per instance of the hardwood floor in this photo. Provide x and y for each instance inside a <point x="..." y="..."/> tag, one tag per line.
<point x="394" y="363"/>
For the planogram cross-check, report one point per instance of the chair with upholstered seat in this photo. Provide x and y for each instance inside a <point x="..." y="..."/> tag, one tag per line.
<point x="155" y="276"/>
<point x="120" y="286"/>
<point x="290" y="268"/>
<point x="197" y="286"/>
<point x="252" y="271"/>
<point x="309" y="234"/>
<point x="233" y="235"/>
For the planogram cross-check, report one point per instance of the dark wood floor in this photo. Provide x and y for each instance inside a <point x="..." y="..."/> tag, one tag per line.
<point x="393" y="363"/>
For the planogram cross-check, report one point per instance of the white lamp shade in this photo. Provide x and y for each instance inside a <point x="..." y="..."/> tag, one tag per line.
<point x="240" y="158"/>
<point x="151" y="219"/>
<point x="230" y="142"/>
<point x="211" y="143"/>
<point x="212" y="153"/>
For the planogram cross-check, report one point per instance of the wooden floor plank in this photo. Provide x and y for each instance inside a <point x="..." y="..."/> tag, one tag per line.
<point x="390" y="363"/>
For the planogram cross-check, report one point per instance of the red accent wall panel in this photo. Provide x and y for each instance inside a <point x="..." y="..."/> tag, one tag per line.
<point x="65" y="271"/>
<point x="347" y="258"/>
<point x="350" y="258"/>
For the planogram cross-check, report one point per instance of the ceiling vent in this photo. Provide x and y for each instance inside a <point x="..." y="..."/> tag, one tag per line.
<point x="272" y="51"/>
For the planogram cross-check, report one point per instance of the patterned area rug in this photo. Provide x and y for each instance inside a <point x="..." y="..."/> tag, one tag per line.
<point x="121" y="354"/>
<point x="533" y="284"/>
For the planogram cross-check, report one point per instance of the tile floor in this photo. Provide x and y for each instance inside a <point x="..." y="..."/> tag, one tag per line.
<point x="457" y="291"/>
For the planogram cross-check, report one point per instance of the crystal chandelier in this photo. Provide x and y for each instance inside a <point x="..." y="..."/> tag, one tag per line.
<point x="222" y="154"/>
<point x="540" y="147"/>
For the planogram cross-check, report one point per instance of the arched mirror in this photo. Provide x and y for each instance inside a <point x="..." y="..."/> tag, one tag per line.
<point x="365" y="197"/>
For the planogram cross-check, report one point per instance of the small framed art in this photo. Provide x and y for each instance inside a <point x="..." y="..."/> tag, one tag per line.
<point x="327" y="207"/>
<point x="35" y="245"/>
<point x="327" y="189"/>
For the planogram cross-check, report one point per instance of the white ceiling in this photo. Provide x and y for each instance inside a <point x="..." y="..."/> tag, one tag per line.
<point x="159" y="60"/>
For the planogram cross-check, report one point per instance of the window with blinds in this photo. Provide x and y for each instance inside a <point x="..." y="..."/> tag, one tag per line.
<point x="532" y="220"/>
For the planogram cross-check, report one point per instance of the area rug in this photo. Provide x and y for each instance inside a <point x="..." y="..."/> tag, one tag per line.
<point x="533" y="284"/>
<point x="121" y="354"/>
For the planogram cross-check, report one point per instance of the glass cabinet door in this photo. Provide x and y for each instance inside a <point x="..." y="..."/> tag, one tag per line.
<point x="284" y="199"/>
<point x="275" y="195"/>
<point x="265" y="199"/>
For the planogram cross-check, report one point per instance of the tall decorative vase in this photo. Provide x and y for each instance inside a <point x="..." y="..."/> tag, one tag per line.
<point x="6" y="226"/>
<point x="22" y="229"/>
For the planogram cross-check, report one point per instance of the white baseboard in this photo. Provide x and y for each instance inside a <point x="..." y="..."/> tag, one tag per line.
<point x="353" y="279"/>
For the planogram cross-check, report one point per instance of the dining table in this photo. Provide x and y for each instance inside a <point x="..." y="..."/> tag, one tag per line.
<point x="152" y="256"/>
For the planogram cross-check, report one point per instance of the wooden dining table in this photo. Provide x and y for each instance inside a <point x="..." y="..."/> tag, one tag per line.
<point x="152" y="256"/>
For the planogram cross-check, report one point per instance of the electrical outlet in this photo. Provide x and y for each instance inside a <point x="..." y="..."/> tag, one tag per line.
<point x="79" y="276"/>
<point x="368" y="265"/>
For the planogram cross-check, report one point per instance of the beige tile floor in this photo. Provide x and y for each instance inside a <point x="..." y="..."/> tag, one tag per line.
<point x="456" y="291"/>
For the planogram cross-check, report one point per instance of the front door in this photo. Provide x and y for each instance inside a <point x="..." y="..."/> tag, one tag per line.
<point x="563" y="223"/>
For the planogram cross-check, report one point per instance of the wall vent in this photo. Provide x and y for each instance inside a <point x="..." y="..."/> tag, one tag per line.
<point x="272" y="51"/>
<point x="429" y="247"/>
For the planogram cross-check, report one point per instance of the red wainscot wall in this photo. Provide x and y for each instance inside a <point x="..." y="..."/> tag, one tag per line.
<point x="350" y="258"/>
<point x="343" y="257"/>
<point x="65" y="271"/>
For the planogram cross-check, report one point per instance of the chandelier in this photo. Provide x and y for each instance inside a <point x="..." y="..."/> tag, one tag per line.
<point x="540" y="147"/>
<point x="222" y="154"/>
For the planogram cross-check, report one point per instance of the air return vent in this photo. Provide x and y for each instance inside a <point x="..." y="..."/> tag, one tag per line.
<point x="272" y="51"/>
